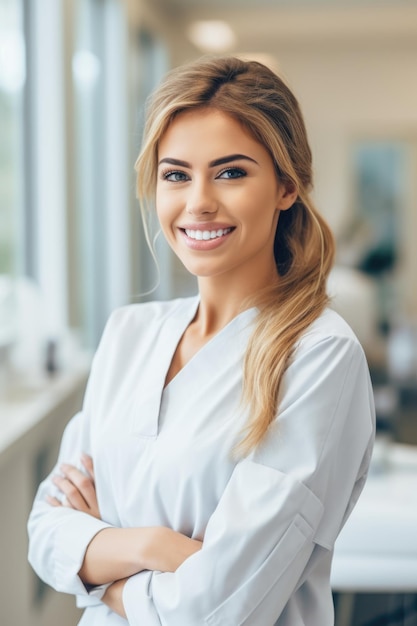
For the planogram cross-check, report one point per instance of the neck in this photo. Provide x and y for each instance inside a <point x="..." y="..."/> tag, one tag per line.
<point x="221" y="298"/>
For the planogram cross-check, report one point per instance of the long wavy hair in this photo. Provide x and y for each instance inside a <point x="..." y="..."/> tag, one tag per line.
<point x="304" y="245"/>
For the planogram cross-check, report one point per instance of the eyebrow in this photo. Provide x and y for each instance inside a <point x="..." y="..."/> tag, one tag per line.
<point x="215" y="163"/>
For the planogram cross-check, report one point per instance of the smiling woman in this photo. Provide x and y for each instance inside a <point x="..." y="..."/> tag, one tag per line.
<point x="224" y="438"/>
<point x="219" y="201"/>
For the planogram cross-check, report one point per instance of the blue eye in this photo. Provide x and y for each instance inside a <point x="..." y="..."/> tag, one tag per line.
<point x="232" y="172"/>
<point x="175" y="176"/>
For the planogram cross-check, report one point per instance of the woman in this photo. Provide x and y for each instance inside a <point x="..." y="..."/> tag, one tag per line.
<point x="225" y="438"/>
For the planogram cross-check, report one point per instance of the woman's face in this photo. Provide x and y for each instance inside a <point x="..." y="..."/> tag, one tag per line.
<point x="217" y="196"/>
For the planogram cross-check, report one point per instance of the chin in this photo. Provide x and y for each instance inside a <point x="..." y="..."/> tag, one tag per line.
<point x="202" y="271"/>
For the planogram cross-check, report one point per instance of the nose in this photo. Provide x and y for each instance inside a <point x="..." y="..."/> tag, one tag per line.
<point x="201" y="199"/>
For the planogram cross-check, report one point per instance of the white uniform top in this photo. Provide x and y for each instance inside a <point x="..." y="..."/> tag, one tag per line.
<point x="163" y="457"/>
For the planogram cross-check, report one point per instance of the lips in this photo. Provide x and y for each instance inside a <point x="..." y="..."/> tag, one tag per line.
<point x="206" y="235"/>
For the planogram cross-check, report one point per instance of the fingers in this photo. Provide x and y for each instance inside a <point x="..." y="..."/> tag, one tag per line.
<point x="53" y="501"/>
<point x="77" y="488"/>
<point x="87" y="462"/>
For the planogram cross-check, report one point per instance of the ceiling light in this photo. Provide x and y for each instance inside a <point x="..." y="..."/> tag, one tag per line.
<point x="211" y="35"/>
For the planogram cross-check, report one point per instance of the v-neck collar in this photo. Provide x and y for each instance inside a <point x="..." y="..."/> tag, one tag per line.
<point x="241" y="319"/>
<point x="147" y="406"/>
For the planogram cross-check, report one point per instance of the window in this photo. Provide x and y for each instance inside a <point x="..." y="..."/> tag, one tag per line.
<point x="103" y="174"/>
<point x="12" y="80"/>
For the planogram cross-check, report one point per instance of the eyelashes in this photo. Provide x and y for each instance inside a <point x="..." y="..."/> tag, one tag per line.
<point x="235" y="172"/>
<point x="174" y="176"/>
<point x="179" y="176"/>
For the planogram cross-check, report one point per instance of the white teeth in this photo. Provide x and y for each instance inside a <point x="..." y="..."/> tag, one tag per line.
<point x="206" y="234"/>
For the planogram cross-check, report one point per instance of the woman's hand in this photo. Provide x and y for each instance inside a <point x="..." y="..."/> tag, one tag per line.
<point x="77" y="487"/>
<point x="113" y="597"/>
<point x="116" y="553"/>
<point x="164" y="549"/>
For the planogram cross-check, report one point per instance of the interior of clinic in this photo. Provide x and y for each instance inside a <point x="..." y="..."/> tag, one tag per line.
<point x="74" y="79"/>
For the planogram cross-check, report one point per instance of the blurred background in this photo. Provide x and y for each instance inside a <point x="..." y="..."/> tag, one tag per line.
<point x="74" y="77"/>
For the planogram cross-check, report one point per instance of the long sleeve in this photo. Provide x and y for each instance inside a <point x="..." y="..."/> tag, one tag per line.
<point x="59" y="536"/>
<point x="162" y="458"/>
<point x="119" y="386"/>
<point x="283" y="506"/>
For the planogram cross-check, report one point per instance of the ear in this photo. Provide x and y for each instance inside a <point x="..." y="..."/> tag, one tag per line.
<point x="287" y="195"/>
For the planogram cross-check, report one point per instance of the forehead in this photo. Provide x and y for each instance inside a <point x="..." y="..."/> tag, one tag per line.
<point x="209" y="132"/>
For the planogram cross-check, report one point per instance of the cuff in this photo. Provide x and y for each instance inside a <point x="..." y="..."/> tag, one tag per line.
<point x="97" y="591"/>
<point x="71" y="542"/>
<point x="138" y="602"/>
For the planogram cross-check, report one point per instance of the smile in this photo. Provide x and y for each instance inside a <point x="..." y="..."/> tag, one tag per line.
<point x="205" y="235"/>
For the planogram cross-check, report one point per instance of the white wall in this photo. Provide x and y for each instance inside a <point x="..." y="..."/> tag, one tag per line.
<point x="346" y="92"/>
<point x="349" y="92"/>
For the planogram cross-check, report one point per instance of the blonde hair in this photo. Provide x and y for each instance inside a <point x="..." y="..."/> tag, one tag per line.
<point x="304" y="245"/>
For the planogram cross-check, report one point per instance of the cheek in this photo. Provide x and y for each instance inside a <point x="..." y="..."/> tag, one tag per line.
<point x="261" y="213"/>
<point x="167" y="203"/>
<point x="167" y="214"/>
<point x="159" y="202"/>
<point x="163" y="208"/>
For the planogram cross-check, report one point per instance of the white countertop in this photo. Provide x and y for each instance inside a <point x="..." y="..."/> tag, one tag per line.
<point x="21" y="409"/>
<point x="377" y="549"/>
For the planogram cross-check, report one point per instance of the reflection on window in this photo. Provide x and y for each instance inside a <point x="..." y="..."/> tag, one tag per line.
<point x="87" y="74"/>
<point x="102" y="169"/>
<point x="12" y="78"/>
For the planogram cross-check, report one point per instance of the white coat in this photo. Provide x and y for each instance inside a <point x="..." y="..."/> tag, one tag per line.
<point x="163" y="457"/>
